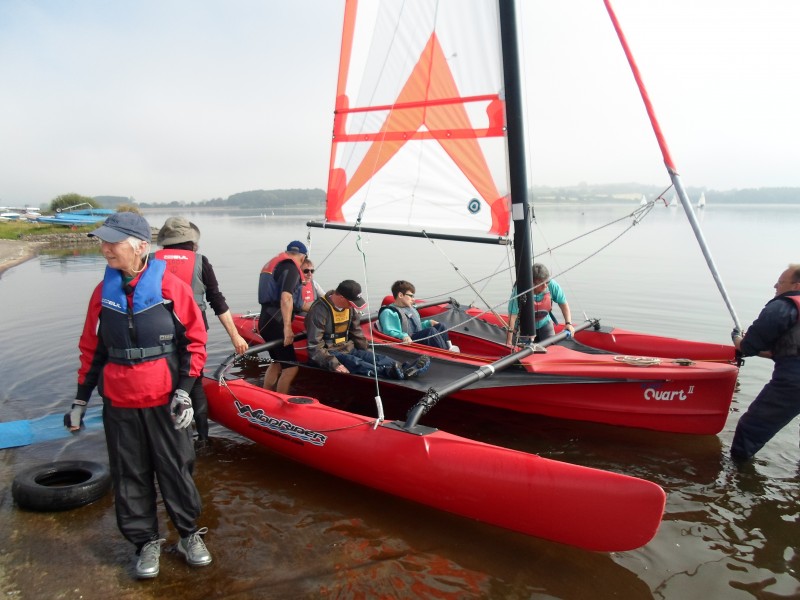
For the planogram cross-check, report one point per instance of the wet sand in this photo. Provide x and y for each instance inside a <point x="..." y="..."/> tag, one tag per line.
<point x="14" y="252"/>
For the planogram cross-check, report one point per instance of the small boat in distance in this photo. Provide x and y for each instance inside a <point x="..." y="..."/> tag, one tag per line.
<point x="13" y="213"/>
<point x="701" y="202"/>
<point x="75" y="216"/>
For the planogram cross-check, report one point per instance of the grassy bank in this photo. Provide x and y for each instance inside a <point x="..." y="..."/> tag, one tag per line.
<point x="16" y="230"/>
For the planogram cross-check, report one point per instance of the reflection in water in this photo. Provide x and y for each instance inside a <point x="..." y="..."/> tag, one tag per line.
<point x="72" y="259"/>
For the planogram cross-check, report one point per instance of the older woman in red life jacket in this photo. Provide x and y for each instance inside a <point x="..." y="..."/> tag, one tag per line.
<point x="143" y="346"/>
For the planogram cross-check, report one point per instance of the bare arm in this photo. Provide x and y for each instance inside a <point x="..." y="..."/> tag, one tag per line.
<point x="512" y="321"/>
<point x="239" y="344"/>
<point x="287" y="308"/>
<point x="567" y="317"/>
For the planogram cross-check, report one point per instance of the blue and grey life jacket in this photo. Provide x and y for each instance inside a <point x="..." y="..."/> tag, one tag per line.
<point x="144" y="331"/>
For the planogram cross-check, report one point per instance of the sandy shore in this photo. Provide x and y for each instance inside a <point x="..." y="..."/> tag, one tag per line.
<point x="14" y="252"/>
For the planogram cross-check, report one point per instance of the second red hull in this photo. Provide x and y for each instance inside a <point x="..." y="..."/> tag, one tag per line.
<point x="662" y="394"/>
<point x="580" y="506"/>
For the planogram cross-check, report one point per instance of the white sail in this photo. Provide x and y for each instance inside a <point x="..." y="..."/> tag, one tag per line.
<point x="419" y="129"/>
<point x="701" y="202"/>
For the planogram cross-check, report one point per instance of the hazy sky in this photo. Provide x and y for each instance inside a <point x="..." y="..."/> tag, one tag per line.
<point x="193" y="99"/>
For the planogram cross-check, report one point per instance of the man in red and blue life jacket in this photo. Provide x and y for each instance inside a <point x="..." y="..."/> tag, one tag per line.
<point x="179" y="239"/>
<point x="279" y="283"/>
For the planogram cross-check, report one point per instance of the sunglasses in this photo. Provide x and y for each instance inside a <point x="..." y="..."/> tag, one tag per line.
<point x="307" y="271"/>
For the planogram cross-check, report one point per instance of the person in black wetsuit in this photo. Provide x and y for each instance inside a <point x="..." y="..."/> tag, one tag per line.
<point x="774" y="334"/>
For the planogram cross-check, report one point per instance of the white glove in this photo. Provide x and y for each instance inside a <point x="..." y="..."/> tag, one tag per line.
<point x="74" y="418"/>
<point x="181" y="409"/>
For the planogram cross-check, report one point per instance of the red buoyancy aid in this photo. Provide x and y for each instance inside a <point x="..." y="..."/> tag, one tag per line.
<point x="543" y="307"/>
<point x="187" y="266"/>
<point x="271" y="292"/>
<point x="273" y="262"/>
<point x="307" y="292"/>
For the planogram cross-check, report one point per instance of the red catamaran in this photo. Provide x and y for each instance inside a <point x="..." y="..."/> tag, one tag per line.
<point x="428" y="124"/>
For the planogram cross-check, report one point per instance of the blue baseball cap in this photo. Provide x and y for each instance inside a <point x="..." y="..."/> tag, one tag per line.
<point x="122" y="225"/>
<point x="297" y="246"/>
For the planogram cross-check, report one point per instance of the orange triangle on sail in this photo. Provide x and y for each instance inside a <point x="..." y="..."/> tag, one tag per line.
<point x="430" y="100"/>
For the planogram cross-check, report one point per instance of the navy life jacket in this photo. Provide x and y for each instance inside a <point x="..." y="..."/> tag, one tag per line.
<point x="789" y="343"/>
<point x="272" y="293"/>
<point x="144" y="331"/>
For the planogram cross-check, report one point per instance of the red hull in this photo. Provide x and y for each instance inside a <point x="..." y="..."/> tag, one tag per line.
<point x="563" y="383"/>
<point x="579" y="506"/>
<point x="622" y="341"/>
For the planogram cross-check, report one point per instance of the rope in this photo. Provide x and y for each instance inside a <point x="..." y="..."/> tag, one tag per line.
<point x="636" y="216"/>
<point x="638" y="361"/>
<point x="378" y="402"/>
<point x="458" y="271"/>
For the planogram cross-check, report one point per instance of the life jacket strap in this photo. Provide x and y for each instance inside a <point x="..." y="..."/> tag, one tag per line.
<point x="141" y="353"/>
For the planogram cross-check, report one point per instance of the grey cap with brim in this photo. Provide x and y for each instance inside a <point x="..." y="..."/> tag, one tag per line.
<point x="120" y="226"/>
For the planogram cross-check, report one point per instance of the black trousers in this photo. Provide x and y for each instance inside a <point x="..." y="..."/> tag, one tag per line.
<point x="144" y="447"/>
<point x="200" y="406"/>
<point x="774" y="408"/>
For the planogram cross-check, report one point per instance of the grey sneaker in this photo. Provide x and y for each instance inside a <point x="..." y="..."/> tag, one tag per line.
<point x="147" y="565"/>
<point x="194" y="549"/>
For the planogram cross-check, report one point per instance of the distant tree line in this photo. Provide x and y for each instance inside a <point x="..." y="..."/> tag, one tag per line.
<point x="633" y="191"/>
<point x="781" y="195"/>
<point x="314" y="198"/>
<point x="256" y="200"/>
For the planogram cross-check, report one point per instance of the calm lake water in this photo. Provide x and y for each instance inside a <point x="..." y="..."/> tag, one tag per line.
<point x="280" y="530"/>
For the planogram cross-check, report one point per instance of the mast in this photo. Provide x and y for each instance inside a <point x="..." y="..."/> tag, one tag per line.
<point x="673" y="172"/>
<point x="517" y="167"/>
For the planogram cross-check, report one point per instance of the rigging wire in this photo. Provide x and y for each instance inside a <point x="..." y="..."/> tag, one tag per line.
<point x="378" y="401"/>
<point x="636" y="217"/>
<point x="465" y="279"/>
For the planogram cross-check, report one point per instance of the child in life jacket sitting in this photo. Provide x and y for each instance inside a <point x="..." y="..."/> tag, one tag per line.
<point x="402" y="321"/>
